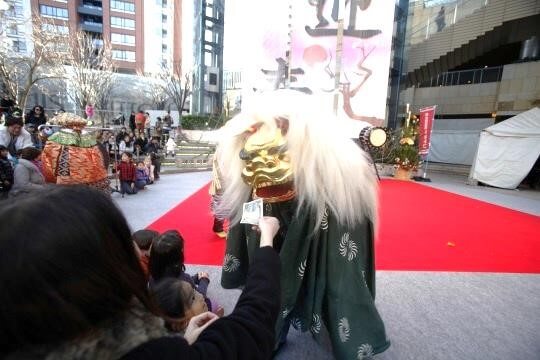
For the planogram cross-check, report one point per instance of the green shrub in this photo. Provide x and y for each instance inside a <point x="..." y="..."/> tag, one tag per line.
<point x="201" y="122"/>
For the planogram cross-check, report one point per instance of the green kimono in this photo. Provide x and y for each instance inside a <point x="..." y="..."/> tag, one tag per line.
<point x="326" y="277"/>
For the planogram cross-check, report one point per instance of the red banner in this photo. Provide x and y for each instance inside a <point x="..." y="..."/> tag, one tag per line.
<point x="427" y="116"/>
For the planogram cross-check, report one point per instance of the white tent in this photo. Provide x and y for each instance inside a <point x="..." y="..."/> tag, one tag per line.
<point x="508" y="150"/>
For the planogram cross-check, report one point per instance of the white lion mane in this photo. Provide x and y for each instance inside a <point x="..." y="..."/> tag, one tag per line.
<point x="328" y="168"/>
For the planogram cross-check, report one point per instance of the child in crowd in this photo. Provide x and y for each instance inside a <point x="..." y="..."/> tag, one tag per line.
<point x="126" y="145"/>
<point x="150" y="168"/>
<point x="144" y="239"/>
<point x="142" y="178"/>
<point x="179" y="301"/>
<point x="127" y="173"/>
<point x="6" y="173"/>
<point x="167" y="261"/>
<point x="27" y="176"/>
<point x="171" y="147"/>
<point x="34" y="133"/>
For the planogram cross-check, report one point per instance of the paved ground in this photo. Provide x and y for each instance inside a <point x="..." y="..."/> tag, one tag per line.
<point x="428" y="315"/>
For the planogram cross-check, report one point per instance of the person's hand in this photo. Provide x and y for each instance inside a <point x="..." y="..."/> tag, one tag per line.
<point x="268" y="226"/>
<point x="197" y="324"/>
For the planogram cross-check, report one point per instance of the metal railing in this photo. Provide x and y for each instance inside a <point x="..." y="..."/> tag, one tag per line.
<point x="443" y="18"/>
<point x="465" y="77"/>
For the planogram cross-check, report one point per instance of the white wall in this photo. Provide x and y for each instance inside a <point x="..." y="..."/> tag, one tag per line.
<point x="153" y="38"/>
<point x="187" y="36"/>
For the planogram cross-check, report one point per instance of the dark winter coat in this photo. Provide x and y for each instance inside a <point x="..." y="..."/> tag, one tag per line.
<point x="247" y="333"/>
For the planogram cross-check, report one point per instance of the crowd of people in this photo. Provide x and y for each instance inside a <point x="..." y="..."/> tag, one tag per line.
<point x="128" y="297"/>
<point x="136" y="159"/>
<point x="131" y="155"/>
<point x="113" y="294"/>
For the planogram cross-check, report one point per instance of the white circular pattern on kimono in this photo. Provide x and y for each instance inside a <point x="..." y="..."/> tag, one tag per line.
<point x="365" y="352"/>
<point x="285" y="312"/>
<point x="230" y="263"/>
<point x="316" y="325"/>
<point x="302" y="269"/>
<point x="324" y="221"/>
<point x="297" y="324"/>
<point x="347" y="247"/>
<point x="344" y="329"/>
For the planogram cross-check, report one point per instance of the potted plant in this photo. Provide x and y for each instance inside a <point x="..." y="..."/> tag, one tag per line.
<point x="405" y="155"/>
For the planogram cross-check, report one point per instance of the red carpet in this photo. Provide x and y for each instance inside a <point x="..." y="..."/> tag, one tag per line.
<point x="193" y="220"/>
<point x="420" y="228"/>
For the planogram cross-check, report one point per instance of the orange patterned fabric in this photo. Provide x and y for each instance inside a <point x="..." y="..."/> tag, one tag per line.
<point x="85" y="164"/>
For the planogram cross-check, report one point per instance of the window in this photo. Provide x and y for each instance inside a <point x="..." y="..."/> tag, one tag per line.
<point x="18" y="10"/>
<point x="60" y="29"/>
<point x="54" y="12"/>
<point x="122" y="39"/>
<point x="14" y="29"/>
<point x="123" y="6"/>
<point x="124" y="55"/>
<point x="59" y="47"/>
<point x="19" y="46"/>
<point x="163" y="18"/>
<point x="122" y="22"/>
<point x="163" y="33"/>
<point x="164" y="48"/>
<point x="213" y="79"/>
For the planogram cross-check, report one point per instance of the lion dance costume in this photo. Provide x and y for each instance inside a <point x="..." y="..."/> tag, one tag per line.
<point x="322" y="189"/>
<point x="71" y="156"/>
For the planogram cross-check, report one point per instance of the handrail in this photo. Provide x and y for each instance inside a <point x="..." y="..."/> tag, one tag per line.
<point x="465" y="77"/>
<point x="444" y="18"/>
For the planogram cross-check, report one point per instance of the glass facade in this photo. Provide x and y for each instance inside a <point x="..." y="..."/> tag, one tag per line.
<point x="397" y="65"/>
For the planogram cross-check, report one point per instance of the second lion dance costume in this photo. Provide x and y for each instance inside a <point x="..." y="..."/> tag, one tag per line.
<point x="322" y="189"/>
<point x="72" y="156"/>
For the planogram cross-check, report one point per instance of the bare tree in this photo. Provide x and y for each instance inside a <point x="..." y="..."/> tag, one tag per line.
<point x="90" y="75"/>
<point x="176" y="89"/>
<point x="157" y="95"/>
<point x="152" y="89"/>
<point x="20" y="72"/>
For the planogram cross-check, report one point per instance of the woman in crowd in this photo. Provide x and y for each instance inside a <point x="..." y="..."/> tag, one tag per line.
<point x="36" y="116"/>
<point x="27" y="175"/>
<point x="72" y="288"/>
<point x="126" y="145"/>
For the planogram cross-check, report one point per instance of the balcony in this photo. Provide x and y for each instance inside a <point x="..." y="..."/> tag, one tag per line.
<point x="88" y="9"/>
<point x="464" y="77"/>
<point x="91" y="26"/>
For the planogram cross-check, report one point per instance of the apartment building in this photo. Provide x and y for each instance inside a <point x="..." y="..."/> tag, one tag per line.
<point x="143" y="34"/>
<point x="14" y="28"/>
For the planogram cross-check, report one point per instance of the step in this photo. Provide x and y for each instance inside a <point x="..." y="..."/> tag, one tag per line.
<point x="457" y="169"/>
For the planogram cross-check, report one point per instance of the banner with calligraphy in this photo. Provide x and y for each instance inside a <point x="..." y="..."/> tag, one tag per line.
<point x="310" y="50"/>
<point x="427" y="116"/>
